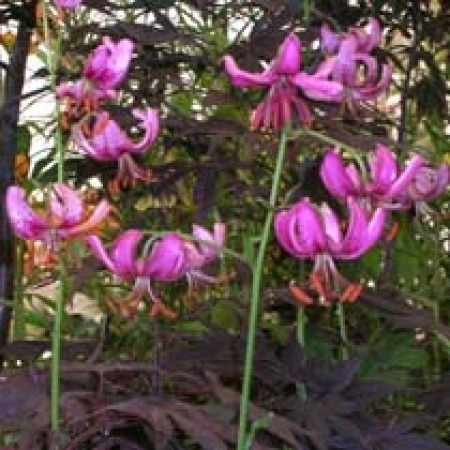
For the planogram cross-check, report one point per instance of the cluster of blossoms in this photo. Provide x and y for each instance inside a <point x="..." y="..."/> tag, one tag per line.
<point x="309" y="232"/>
<point x="348" y="75"/>
<point x="94" y="132"/>
<point x="64" y="215"/>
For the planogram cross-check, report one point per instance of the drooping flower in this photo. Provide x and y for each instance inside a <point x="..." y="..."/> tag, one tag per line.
<point x="366" y="39"/>
<point x="308" y="232"/>
<point x="108" y="64"/>
<point x="386" y="184"/>
<point x="105" y="69"/>
<point x="101" y="138"/>
<point x="285" y="81"/>
<point x="64" y="217"/>
<point x="349" y="62"/>
<point x="428" y="183"/>
<point x="168" y="259"/>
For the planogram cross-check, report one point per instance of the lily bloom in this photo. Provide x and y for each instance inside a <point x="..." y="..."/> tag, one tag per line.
<point x="104" y="70"/>
<point x="308" y="232"/>
<point x="108" y="64"/>
<point x="366" y="39"/>
<point x="284" y="80"/>
<point x="103" y="140"/>
<point x="350" y="63"/>
<point x="168" y="259"/>
<point x="64" y="217"/>
<point x="429" y="183"/>
<point x="386" y="184"/>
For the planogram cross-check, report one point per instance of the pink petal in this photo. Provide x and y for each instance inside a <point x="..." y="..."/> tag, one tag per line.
<point x="332" y="226"/>
<point x="288" y="60"/>
<point x="166" y="260"/>
<point x="241" y="78"/>
<point x="216" y="239"/>
<point x="150" y="122"/>
<point x="402" y="183"/>
<point x="317" y="88"/>
<point x="66" y="205"/>
<point x="329" y="41"/>
<point x="335" y="177"/>
<point x="123" y="253"/>
<point x="89" y="225"/>
<point x="309" y="231"/>
<point x="98" y="249"/>
<point x="383" y="167"/>
<point x="285" y="226"/>
<point x="24" y="221"/>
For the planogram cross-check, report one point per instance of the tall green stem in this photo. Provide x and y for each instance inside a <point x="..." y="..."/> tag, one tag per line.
<point x="255" y="296"/>
<point x="342" y="329"/>
<point x="52" y="54"/>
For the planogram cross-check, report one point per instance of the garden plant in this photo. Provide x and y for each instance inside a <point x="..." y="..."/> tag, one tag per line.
<point x="229" y="226"/>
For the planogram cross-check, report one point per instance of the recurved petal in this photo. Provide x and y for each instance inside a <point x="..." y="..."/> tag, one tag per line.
<point x="353" y="244"/>
<point x="166" y="260"/>
<point x="25" y="222"/>
<point x="119" y="61"/>
<point x="401" y="184"/>
<point x="332" y="227"/>
<point x="241" y="78"/>
<point x="98" y="249"/>
<point x="317" y="88"/>
<point x="334" y="175"/>
<point x="89" y="225"/>
<point x="383" y="168"/>
<point x="329" y="40"/>
<point x="284" y="225"/>
<point x="150" y="122"/>
<point x="372" y="90"/>
<point x="303" y="229"/>
<point x="288" y="60"/>
<point x="372" y="38"/>
<point x="361" y="235"/>
<point x="216" y="239"/>
<point x="123" y="253"/>
<point x="66" y="205"/>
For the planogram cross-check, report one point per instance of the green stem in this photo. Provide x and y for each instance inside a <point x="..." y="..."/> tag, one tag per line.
<point x="55" y="386"/>
<point x="342" y="329"/>
<point x="301" y="326"/>
<point x="255" y="296"/>
<point x="52" y="55"/>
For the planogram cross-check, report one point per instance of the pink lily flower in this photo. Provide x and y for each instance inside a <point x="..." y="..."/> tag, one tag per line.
<point x="64" y="217"/>
<point x="429" y="183"/>
<point x="366" y="40"/>
<point x="104" y="70"/>
<point x="284" y="80"/>
<point x="108" y="64"/>
<point x="349" y="62"/>
<point x="386" y="185"/>
<point x="104" y="140"/>
<point x="168" y="259"/>
<point x="308" y="232"/>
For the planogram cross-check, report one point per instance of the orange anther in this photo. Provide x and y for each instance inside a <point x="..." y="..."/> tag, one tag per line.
<point x="393" y="231"/>
<point x="317" y="285"/>
<point x="351" y="293"/>
<point x="159" y="308"/>
<point x="299" y="294"/>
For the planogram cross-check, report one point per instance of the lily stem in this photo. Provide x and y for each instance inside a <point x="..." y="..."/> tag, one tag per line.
<point x="342" y="330"/>
<point x="255" y="296"/>
<point x="52" y="55"/>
